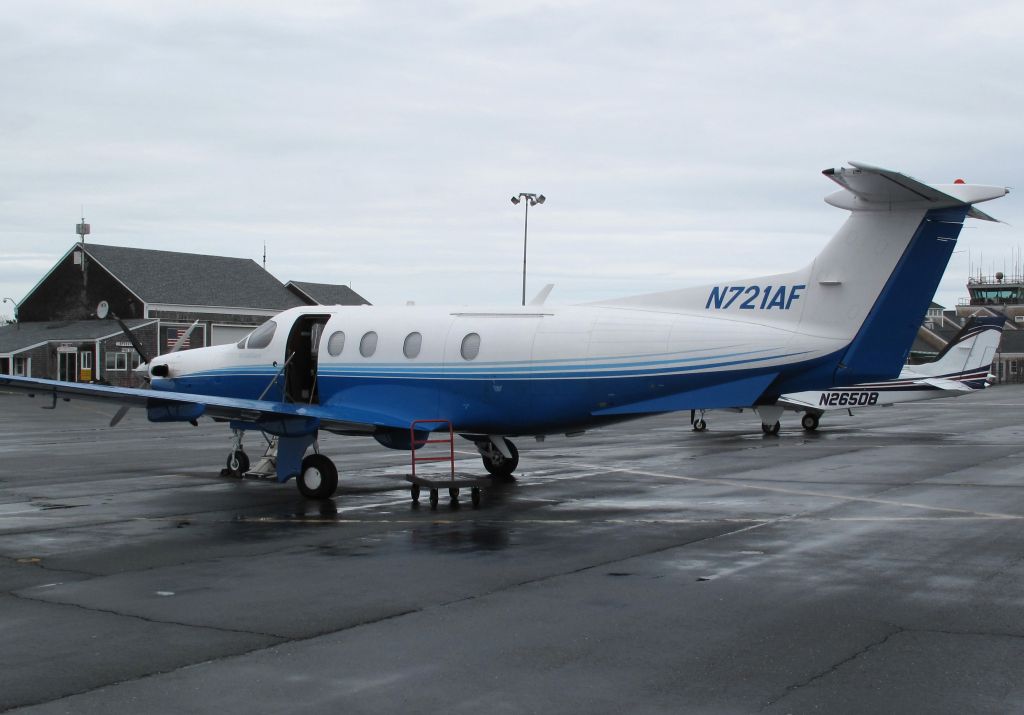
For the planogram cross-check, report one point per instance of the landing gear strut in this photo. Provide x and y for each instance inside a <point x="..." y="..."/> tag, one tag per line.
<point x="238" y="460"/>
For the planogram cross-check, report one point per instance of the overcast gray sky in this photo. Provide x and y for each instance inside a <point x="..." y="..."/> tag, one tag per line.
<point x="378" y="143"/>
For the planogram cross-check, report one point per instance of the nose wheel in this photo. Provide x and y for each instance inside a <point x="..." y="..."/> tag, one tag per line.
<point x="238" y="463"/>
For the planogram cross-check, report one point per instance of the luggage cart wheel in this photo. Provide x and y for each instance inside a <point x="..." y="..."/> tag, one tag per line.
<point x="415" y="490"/>
<point x="433" y="498"/>
<point x="474" y="494"/>
<point x="453" y="492"/>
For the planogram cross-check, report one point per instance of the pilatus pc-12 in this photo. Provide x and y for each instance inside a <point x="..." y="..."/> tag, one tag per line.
<point x="847" y="317"/>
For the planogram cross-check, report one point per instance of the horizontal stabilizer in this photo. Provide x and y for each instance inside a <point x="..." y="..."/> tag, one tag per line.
<point x="870" y="188"/>
<point x="743" y="392"/>
<point x="944" y="384"/>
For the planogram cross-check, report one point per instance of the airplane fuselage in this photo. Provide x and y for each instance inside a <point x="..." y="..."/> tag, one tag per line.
<point x="503" y="371"/>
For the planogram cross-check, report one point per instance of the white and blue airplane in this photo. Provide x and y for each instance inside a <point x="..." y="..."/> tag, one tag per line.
<point x="847" y="317"/>
<point x="962" y="367"/>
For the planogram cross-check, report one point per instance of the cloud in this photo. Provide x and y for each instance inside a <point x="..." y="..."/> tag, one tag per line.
<point x="379" y="142"/>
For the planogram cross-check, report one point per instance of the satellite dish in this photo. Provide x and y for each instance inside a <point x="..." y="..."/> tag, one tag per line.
<point x="102" y="309"/>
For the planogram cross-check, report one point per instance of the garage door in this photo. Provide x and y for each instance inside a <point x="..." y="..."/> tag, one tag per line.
<point x="223" y="334"/>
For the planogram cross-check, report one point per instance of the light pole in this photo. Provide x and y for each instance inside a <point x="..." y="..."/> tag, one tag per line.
<point x="528" y="201"/>
<point x="11" y="301"/>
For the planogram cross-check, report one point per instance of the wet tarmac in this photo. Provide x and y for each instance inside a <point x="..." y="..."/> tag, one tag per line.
<point x="876" y="565"/>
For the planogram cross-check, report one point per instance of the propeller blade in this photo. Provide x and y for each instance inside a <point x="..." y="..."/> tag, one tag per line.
<point x="119" y="415"/>
<point x="183" y="337"/>
<point x="131" y="338"/>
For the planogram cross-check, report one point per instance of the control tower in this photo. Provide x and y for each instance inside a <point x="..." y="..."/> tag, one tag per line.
<point x="999" y="292"/>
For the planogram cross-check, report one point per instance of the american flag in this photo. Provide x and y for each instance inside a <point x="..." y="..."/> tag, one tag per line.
<point x="172" y="337"/>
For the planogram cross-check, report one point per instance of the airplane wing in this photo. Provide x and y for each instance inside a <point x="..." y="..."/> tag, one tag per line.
<point x="181" y="405"/>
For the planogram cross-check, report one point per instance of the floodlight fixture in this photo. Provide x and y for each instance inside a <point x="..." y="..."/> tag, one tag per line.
<point x="530" y="200"/>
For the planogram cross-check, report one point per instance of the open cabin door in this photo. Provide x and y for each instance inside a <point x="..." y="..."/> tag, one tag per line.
<point x="301" y="353"/>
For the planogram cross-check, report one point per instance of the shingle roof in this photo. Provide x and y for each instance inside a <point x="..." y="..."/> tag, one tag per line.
<point x="20" y="336"/>
<point x="328" y="294"/>
<point x="193" y="279"/>
<point x="1012" y="341"/>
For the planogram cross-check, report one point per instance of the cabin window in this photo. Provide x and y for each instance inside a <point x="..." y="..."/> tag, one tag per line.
<point x="470" y="346"/>
<point x="336" y="343"/>
<point x="368" y="345"/>
<point x="261" y="337"/>
<point x="413" y="343"/>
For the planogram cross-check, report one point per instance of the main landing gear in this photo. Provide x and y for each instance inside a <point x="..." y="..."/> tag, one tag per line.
<point x="771" y="429"/>
<point x="318" y="478"/>
<point x="809" y="421"/>
<point x="496" y="463"/>
<point x="698" y="423"/>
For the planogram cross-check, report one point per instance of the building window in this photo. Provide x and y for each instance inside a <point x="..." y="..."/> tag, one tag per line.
<point x="1013" y="367"/>
<point x="85" y="361"/>
<point x="116" y="361"/>
<point x="413" y="343"/>
<point x="368" y="345"/>
<point x="470" y="346"/>
<point x="22" y="366"/>
<point x="336" y="343"/>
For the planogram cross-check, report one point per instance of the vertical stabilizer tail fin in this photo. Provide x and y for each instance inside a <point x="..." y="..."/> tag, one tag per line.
<point x="968" y="354"/>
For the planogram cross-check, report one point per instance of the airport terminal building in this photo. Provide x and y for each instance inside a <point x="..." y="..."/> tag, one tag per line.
<point x="66" y="328"/>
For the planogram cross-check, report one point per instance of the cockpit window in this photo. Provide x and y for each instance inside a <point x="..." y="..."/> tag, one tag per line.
<point x="261" y="337"/>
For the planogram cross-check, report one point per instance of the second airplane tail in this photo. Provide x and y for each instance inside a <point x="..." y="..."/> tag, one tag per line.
<point x="967" y="357"/>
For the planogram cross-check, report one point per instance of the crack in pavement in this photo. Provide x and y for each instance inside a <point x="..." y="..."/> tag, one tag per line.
<point x="790" y="689"/>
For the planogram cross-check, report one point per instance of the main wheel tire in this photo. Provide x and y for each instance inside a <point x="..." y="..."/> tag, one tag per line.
<point x="498" y="464"/>
<point x="318" y="478"/>
<point x="238" y="462"/>
<point x="775" y="428"/>
<point x="809" y="422"/>
<point x="700" y="426"/>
